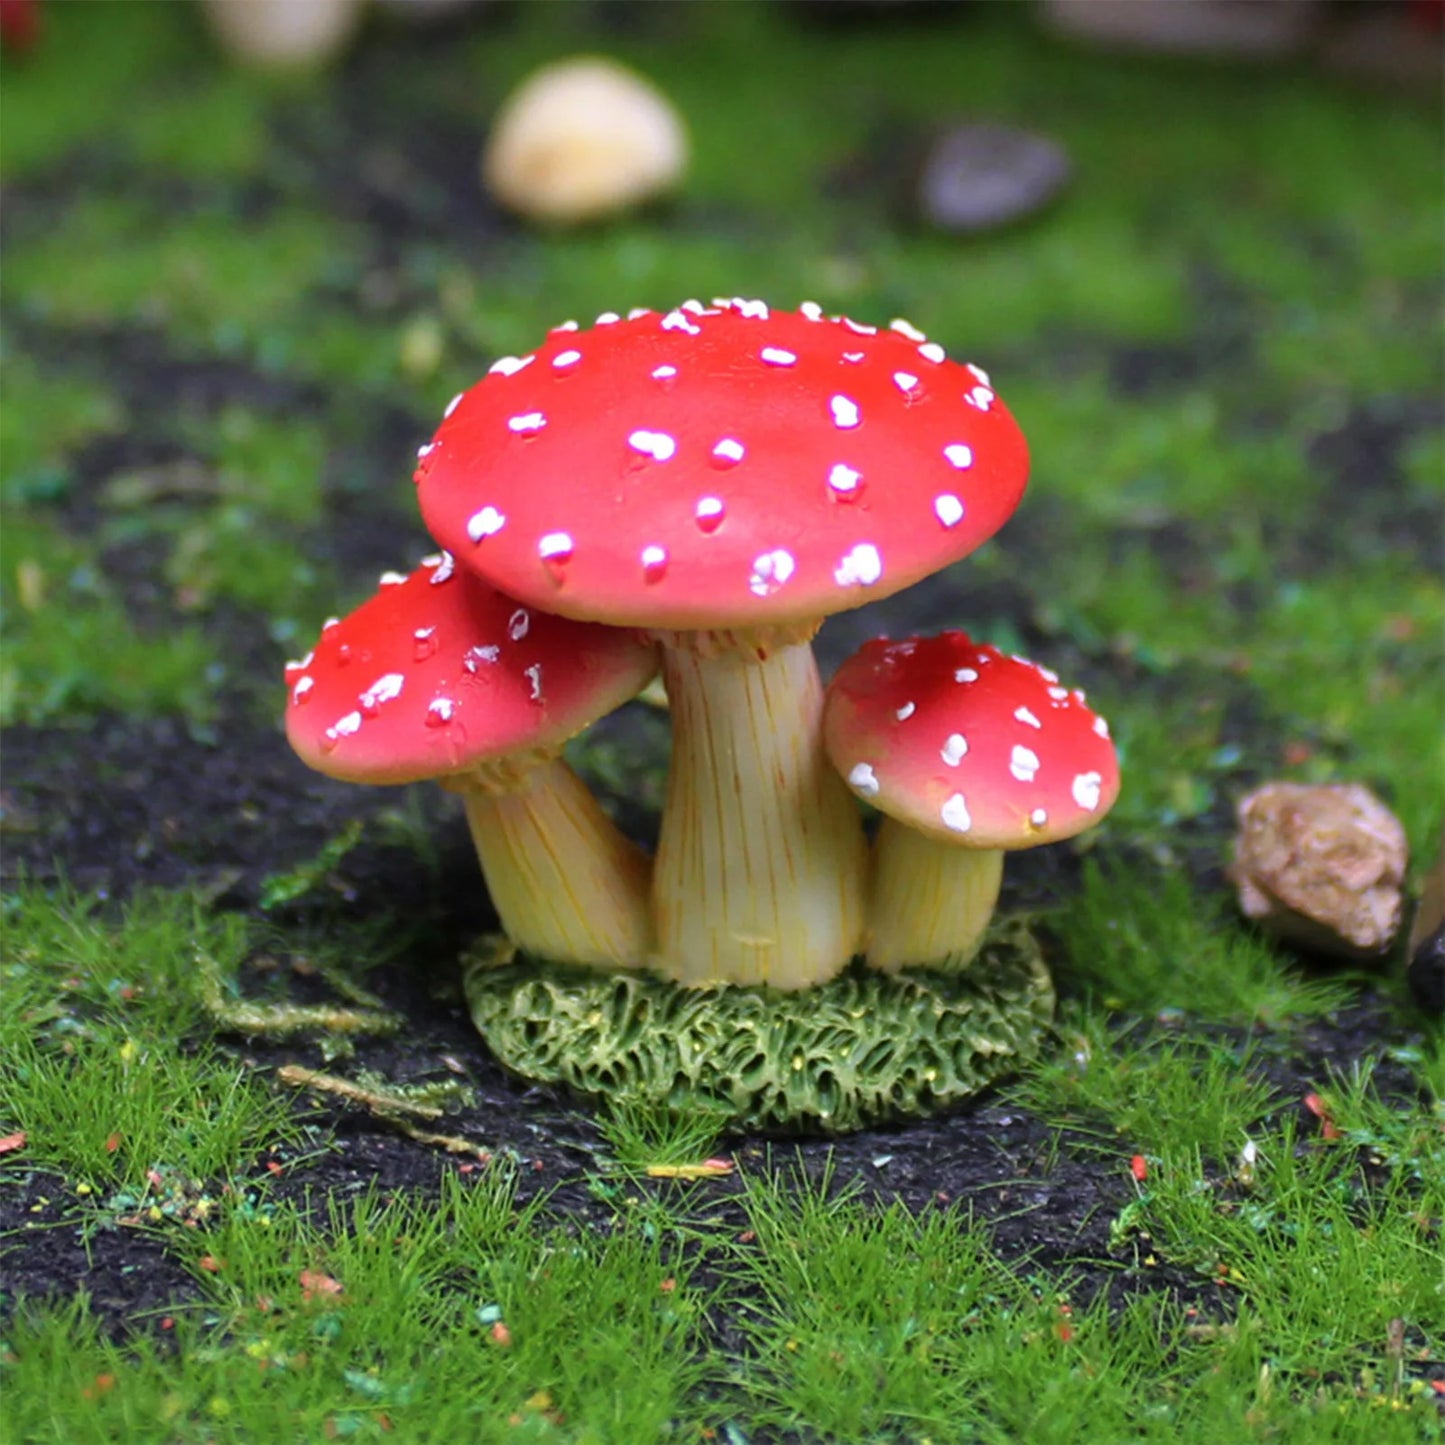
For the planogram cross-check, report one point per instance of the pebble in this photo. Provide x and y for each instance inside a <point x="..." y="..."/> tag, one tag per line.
<point x="981" y="176"/>
<point x="1187" y="27"/>
<point x="583" y="138"/>
<point x="1322" y="866"/>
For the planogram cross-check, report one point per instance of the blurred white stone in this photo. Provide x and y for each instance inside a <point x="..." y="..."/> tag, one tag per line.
<point x="583" y="138"/>
<point x="1322" y="866"/>
<point x="281" y="34"/>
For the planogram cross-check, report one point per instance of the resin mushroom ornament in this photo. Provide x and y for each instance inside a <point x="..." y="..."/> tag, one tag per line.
<point x="439" y="676"/>
<point x="726" y="476"/>
<point x="968" y="753"/>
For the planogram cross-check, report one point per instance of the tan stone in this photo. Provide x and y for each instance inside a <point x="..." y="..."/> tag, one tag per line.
<point x="282" y="33"/>
<point x="1322" y="866"/>
<point x="583" y="138"/>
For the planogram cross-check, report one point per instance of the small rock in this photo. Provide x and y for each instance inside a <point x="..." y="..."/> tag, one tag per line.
<point x="1238" y="28"/>
<point x="981" y="176"/>
<point x="583" y="138"/>
<point x="1322" y="866"/>
<point x="282" y="34"/>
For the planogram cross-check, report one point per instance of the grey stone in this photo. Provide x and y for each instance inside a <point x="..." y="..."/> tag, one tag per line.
<point x="980" y="176"/>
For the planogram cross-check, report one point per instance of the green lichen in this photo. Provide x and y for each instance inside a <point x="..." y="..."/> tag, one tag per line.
<point x="863" y="1048"/>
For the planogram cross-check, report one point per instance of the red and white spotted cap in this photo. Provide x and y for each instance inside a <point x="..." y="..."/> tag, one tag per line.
<point x="964" y="743"/>
<point x="720" y="466"/>
<point x="439" y="673"/>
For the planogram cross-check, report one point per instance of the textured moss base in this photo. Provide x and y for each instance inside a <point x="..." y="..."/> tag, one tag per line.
<point x="863" y="1048"/>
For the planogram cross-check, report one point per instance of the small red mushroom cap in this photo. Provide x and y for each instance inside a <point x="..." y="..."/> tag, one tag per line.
<point x="964" y="743"/>
<point x="439" y="673"/>
<point x="720" y="466"/>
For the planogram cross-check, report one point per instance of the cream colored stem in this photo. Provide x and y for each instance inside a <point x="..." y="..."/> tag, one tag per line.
<point x="929" y="903"/>
<point x="761" y="861"/>
<point x="566" y="883"/>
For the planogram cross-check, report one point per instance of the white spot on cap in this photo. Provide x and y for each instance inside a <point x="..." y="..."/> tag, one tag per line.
<point x="1027" y="718"/>
<point x="518" y="624"/>
<point x="853" y="356"/>
<point x="452" y="405"/>
<point x="509" y="365"/>
<point x="1059" y="694"/>
<point x="957" y="454"/>
<point x="1047" y="674"/>
<point x="811" y="310"/>
<point x="566" y="326"/>
<point x="555" y="544"/>
<point x="425" y="450"/>
<point x="729" y="449"/>
<point x="694" y="305"/>
<point x="382" y="690"/>
<point x="860" y="568"/>
<point x="954" y="750"/>
<point x="754" y="310"/>
<point x="955" y="814"/>
<point x="948" y="509"/>
<point x="528" y="421"/>
<point x="1086" y="790"/>
<point x="905" y="381"/>
<point x="845" y="412"/>
<point x="486" y="523"/>
<point x="301" y="664"/>
<point x="965" y="674"/>
<point x="770" y="571"/>
<point x="1038" y="817"/>
<point x="476" y="656"/>
<point x="864" y="779"/>
<point x="981" y="397"/>
<point x="391" y="579"/>
<point x="441" y="708"/>
<point x="566" y="358"/>
<point x="843" y="478"/>
<point x="861" y="328"/>
<point x="678" y="321"/>
<point x="776" y="356"/>
<point x="330" y="623"/>
<point x="343" y="727"/>
<point x="446" y="566"/>
<point x="533" y="675"/>
<point x="663" y="373"/>
<point x="1023" y="763"/>
<point x="303" y="686"/>
<point x="655" y="444"/>
<point x="1101" y="727"/>
<point x="709" y="509"/>
<point x="906" y="711"/>
<point x="906" y="328"/>
<point x="980" y="373"/>
<point x="639" y="311"/>
<point x="608" y="318"/>
<point x="422" y="634"/>
<point x="932" y="351"/>
<point x="654" y="562"/>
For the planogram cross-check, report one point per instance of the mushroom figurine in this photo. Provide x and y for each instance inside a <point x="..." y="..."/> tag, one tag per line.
<point x="968" y="753"/>
<point x="441" y="676"/>
<point x="726" y="476"/>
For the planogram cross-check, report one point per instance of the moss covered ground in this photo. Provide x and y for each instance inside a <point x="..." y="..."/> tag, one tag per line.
<point x="234" y="305"/>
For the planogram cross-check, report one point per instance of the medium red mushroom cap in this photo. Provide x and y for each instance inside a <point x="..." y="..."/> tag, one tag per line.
<point x="720" y="466"/>
<point x="439" y="673"/>
<point x="964" y="743"/>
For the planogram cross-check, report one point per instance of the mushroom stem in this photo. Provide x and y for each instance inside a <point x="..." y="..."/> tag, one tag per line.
<point x="929" y="903"/>
<point x="566" y="883"/>
<point x="761" y="860"/>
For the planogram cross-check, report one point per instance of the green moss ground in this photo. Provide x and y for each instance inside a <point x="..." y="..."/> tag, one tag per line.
<point x="233" y="306"/>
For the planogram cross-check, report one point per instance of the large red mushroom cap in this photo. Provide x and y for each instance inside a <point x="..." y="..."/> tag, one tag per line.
<point x="720" y="466"/>
<point x="439" y="673"/>
<point x="959" y="741"/>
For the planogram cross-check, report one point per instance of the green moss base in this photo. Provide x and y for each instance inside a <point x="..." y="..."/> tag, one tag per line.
<point x="863" y="1048"/>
